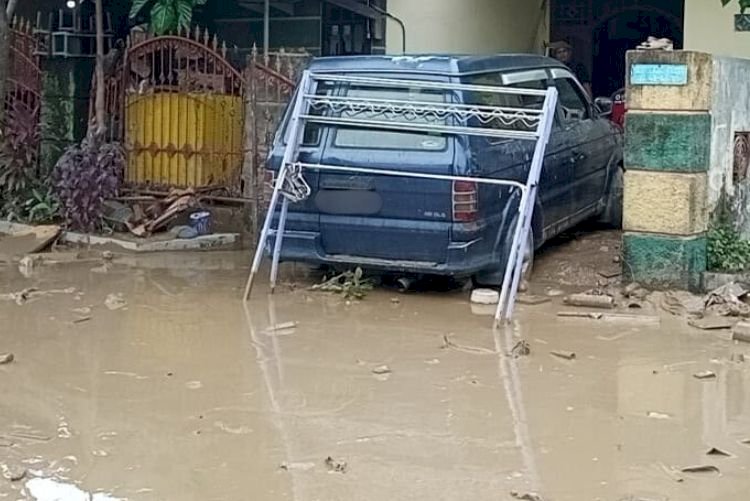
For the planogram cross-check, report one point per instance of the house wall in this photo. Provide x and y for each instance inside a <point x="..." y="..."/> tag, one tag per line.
<point x="710" y="28"/>
<point x="465" y="27"/>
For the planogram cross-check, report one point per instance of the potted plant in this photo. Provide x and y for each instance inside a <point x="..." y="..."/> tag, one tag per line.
<point x="741" y="20"/>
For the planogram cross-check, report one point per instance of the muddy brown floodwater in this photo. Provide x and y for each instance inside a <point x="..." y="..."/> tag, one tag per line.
<point x="151" y="381"/>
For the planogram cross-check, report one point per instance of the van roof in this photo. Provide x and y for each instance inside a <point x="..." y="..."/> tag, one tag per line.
<point x="449" y="65"/>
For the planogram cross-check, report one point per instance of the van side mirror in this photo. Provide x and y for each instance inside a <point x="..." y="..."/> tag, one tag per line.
<point x="604" y="105"/>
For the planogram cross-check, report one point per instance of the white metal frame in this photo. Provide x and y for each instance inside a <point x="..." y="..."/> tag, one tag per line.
<point x="412" y="116"/>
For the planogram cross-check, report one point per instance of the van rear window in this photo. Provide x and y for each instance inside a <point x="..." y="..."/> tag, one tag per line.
<point x="353" y="137"/>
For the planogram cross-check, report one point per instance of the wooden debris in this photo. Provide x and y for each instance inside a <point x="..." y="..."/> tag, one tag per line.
<point x="712" y="323"/>
<point x="741" y="332"/>
<point x="701" y="469"/>
<point x="283" y="327"/>
<point x="565" y="355"/>
<point x="590" y="301"/>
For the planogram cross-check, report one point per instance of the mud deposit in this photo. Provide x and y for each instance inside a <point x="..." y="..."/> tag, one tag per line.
<point x="178" y="392"/>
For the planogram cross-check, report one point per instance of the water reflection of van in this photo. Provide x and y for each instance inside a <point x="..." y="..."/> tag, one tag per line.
<point x="436" y="227"/>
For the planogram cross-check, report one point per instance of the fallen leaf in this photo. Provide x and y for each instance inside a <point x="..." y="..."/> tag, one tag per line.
<point x="701" y="469"/>
<point x="526" y="496"/>
<point x="718" y="452"/>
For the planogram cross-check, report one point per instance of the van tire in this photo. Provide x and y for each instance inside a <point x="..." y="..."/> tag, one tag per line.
<point x="495" y="277"/>
<point x="613" y="209"/>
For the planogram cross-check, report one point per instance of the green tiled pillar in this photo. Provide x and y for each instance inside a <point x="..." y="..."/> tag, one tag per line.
<point x="667" y="158"/>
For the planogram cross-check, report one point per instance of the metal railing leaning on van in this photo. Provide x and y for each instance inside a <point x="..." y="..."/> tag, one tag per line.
<point x="410" y="107"/>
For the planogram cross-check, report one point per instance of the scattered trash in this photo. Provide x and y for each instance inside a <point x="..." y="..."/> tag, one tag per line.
<point x="653" y="43"/>
<point x="526" y="496"/>
<point x="6" y="358"/>
<point x="22" y="297"/>
<point x="712" y="323"/>
<point x="658" y="415"/>
<point x="745" y="441"/>
<point x="738" y="358"/>
<point x="395" y="300"/>
<point x="448" y="344"/>
<point x="296" y="466"/>
<point x="555" y="293"/>
<point x="611" y="272"/>
<point x="701" y="469"/>
<point x="521" y="349"/>
<point x="741" y="332"/>
<point x="485" y="296"/>
<point x="13" y="473"/>
<point x="81" y="320"/>
<point x="27" y="264"/>
<point x="382" y="373"/>
<point x="336" y="465"/>
<point x="350" y="284"/>
<point x="680" y="303"/>
<point x="650" y="320"/>
<point x="283" y="327"/>
<point x="28" y="241"/>
<point x="635" y="291"/>
<point x="718" y="452"/>
<point x="590" y="301"/>
<point x="382" y="369"/>
<point x="532" y="300"/>
<point x="115" y="302"/>
<point x="566" y="355"/>
<point x="703" y="375"/>
<point x="727" y="301"/>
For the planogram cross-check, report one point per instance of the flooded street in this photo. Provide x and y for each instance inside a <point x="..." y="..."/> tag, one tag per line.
<point x="151" y="381"/>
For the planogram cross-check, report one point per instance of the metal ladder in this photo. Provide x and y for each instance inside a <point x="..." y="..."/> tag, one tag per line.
<point x="411" y="115"/>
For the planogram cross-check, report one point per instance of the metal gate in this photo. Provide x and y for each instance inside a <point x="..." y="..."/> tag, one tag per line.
<point x="24" y="78"/>
<point x="176" y="103"/>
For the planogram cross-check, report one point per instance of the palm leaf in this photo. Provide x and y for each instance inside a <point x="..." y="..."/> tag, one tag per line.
<point x="137" y="7"/>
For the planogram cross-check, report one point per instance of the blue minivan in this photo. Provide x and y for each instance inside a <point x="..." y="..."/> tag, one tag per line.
<point x="461" y="229"/>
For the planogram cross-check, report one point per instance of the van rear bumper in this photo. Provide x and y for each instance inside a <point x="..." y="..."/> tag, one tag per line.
<point x="463" y="258"/>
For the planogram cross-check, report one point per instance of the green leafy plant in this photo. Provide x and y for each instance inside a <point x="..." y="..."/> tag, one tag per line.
<point x="42" y="207"/>
<point x="727" y="250"/>
<point x="744" y="4"/>
<point x="167" y="16"/>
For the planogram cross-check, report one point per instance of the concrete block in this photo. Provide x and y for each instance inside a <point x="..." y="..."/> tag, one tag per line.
<point x="665" y="261"/>
<point x="665" y="202"/>
<point x="677" y="142"/>
<point x="695" y="96"/>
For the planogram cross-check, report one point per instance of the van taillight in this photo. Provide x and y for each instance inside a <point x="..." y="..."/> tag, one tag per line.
<point x="465" y="201"/>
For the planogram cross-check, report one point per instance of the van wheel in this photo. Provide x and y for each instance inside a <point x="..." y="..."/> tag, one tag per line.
<point x="495" y="278"/>
<point x="612" y="215"/>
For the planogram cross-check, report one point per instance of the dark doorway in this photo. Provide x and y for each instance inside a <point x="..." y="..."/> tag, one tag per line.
<point x="602" y="31"/>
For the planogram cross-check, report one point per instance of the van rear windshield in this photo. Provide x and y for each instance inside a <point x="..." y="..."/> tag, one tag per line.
<point x="353" y="137"/>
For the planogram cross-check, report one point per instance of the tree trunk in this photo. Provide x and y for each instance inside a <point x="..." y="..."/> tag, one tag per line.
<point x="99" y="104"/>
<point x="4" y="56"/>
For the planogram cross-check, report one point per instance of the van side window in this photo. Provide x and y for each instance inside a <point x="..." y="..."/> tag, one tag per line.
<point x="312" y="130"/>
<point x="508" y="100"/>
<point x="572" y="102"/>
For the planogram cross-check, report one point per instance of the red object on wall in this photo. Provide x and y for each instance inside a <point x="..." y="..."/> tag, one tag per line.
<point x="619" y="107"/>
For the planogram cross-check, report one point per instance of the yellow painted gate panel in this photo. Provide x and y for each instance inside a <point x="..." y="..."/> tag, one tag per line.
<point x="184" y="139"/>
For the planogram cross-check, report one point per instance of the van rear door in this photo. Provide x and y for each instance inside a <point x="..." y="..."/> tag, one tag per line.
<point x="384" y="217"/>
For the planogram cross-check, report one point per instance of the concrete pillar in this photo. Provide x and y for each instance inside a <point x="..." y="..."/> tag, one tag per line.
<point x="667" y="159"/>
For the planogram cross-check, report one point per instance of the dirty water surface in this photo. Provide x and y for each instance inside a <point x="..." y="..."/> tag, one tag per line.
<point x="152" y="381"/>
